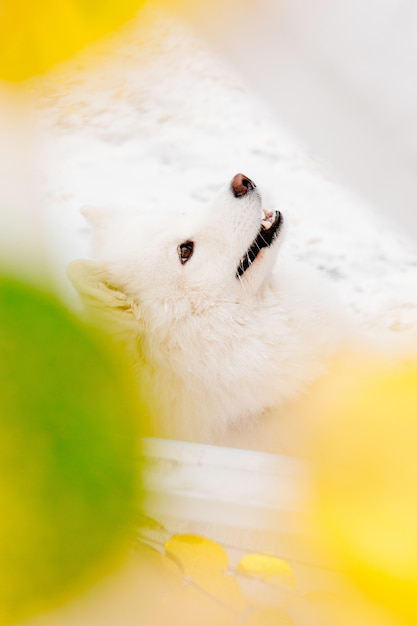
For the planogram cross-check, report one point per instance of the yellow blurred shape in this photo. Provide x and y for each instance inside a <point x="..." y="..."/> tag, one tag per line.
<point x="268" y="568"/>
<point x="205" y="563"/>
<point x="265" y="580"/>
<point x="36" y="35"/>
<point x="365" y="455"/>
<point x="269" y="617"/>
<point x="197" y="555"/>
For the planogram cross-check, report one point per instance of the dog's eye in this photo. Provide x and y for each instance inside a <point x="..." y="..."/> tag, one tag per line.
<point x="185" y="251"/>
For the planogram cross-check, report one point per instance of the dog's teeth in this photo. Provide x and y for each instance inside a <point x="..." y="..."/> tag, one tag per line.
<point x="266" y="224"/>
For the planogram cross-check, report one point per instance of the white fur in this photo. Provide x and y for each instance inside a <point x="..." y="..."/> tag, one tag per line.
<point x="214" y="353"/>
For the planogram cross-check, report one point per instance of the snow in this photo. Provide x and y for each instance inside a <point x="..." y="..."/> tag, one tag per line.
<point x="153" y="119"/>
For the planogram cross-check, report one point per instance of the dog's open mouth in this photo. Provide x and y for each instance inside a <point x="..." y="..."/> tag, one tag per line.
<point x="270" y="227"/>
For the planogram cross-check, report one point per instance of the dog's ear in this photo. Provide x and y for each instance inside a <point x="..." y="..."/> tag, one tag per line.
<point x="104" y="303"/>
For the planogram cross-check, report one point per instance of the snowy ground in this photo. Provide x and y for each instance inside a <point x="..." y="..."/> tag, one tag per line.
<point x="153" y="120"/>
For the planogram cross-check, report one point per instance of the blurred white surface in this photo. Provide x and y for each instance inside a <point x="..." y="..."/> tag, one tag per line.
<point x="224" y="486"/>
<point x="343" y="73"/>
<point x="247" y="501"/>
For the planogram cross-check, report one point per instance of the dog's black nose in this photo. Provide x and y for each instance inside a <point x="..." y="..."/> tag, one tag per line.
<point x="241" y="184"/>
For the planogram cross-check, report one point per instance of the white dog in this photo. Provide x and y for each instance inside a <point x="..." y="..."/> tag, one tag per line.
<point x="223" y="336"/>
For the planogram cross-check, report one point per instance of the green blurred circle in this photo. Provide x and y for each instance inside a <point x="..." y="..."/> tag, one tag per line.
<point x="67" y="454"/>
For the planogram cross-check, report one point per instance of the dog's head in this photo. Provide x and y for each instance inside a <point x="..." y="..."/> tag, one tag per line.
<point x="189" y="262"/>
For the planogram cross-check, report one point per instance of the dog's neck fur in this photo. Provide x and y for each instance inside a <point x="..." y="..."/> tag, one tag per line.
<point x="211" y="379"/>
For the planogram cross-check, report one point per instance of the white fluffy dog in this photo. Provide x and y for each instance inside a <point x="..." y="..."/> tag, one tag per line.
<point x="224" y="337"/>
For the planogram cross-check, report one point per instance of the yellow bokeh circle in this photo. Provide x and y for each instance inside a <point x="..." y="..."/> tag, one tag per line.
<point x="365" y="454"/>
